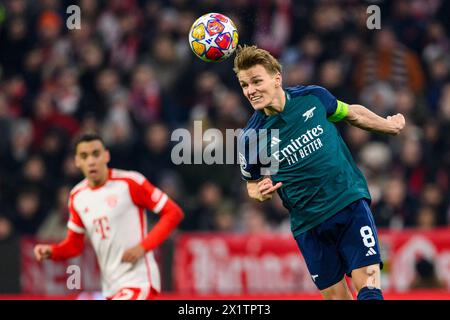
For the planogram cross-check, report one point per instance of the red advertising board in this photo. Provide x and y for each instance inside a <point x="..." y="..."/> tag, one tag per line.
<point x="229" y="264"/>
<point x="239" y="263"/>
<point x="58" y="278"/>
<point x="208" y="263"/>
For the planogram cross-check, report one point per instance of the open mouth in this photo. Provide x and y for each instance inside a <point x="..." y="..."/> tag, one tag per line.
<point x="256" y="98"/>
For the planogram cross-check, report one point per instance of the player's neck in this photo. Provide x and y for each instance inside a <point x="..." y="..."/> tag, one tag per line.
<point x="277" y="104"/>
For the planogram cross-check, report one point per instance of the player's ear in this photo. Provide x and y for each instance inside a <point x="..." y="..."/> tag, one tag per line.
<point x="107" y="155"/>
<point x="77" y="161"/>
<point x="278" y="80"/>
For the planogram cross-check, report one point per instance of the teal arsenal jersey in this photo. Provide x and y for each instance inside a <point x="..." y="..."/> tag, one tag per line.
<point x="307" y="154"/>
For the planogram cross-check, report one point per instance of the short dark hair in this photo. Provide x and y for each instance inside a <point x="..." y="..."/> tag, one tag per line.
<point x="249" y="56"/>
<point x="87" y="137"/>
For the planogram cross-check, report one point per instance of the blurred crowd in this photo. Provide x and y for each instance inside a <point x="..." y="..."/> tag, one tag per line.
<point x="129" y="74"/>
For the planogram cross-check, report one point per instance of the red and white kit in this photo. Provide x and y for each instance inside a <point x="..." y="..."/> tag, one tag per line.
<point x="113" y="217"/>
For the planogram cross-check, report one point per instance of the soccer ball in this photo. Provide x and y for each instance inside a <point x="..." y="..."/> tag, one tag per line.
<point x="213" y="37"/>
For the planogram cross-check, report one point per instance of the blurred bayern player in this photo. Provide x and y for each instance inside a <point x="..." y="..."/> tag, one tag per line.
<point x="314" y="173"/>
<point x="109" y="207"/>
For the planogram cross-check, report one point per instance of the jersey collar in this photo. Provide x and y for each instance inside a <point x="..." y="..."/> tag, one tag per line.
<point x="281" y="115"/>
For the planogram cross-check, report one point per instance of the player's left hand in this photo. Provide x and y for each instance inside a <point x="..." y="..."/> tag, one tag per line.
<point x="133" y="254"/>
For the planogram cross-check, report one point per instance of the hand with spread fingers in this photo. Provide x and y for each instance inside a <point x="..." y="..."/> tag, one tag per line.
<point x="262" y="190"/>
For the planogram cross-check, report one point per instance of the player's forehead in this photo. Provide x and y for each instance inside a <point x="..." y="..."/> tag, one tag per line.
<point x="256" y="71"/>
<point x="89" y="146"/>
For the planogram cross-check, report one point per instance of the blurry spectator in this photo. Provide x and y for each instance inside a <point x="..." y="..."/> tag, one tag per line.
<point x="28" y="211"/>
<point x="92" y="61"/>
<point x="375" y="157"/>
<point x="170" y="183"/>
<point x="15" y="92"/>
<point x="32" y="73"/>
<point x="154" y="157"/>
<point x="119" y="132"/>
<point x="351" y="48"/>
<point x="108" y="23"/>
<point x="224" y="219"/>
<point x="35" y="174"/>
<point x="14" y="46"/>
<point x="296" y="73"/>
<point x="273" y="19"/>
<point x="408" y="22"/>
<point x="209" y="199"/>
<point x="426" y="218"/>
<point x="307" y="52"/>
<point x="69" y="50"/>
<point x="124" y="52"/>
<point x="444" y="103"/>
<point x="433" y="197"/>
<point x="165" y="62"/>
<point x="414" y="170"/>
<point x="356" y="139"/>
<point x="390" y="61"/>
<point x="107" y="85"/>
<point x="71" y="175"/>
<point x="408" y="104"/>
<point x="426" y="277"/>
<point x="53" y="151"/>
<point x="49" y="26"/>
<point x="379" y="96"/>
<point x="229" y="111"/>
<point x="392" y="211"/>
<point x="6" y="228"/>
<point x="19" y="147"/>
<point x="331" y="76"/>
<point x="208" y="90"/>
<point x="252" y="219"/>
<point x="54" y="227"/>
<point x="68" y="94"/>
<point x="5" y="126"/>
<point x="90" y="123"/>
<point x="146" y="95"/>
<point x="439" y="69"/>
<point x="46" y="118"/>
<point x="438" y="42"/>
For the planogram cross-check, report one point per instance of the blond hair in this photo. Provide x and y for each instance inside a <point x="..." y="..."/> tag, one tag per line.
<point x="250" y="56"/>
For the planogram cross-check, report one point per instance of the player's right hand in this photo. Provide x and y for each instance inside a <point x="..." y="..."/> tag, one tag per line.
<point x="42" y="251"/>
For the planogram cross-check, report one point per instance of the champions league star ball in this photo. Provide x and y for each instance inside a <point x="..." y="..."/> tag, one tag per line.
<point x="213" y="37"/>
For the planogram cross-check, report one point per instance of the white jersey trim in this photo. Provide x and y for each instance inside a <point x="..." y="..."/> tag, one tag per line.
<point x="161" y="203"/>
<point x="124" y="174"/>
<point x="82" y="184"/>
<point x="72" y="226"/>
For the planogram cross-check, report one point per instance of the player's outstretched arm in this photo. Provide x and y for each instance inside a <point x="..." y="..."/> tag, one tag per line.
<point x="262" y="190"/>
<point x="361" y="117"/>
<point x="70" y="247"/>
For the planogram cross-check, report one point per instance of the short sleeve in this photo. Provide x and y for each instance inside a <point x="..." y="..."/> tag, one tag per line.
<point x="75" y="223"/>
<point x="146" y="195"/>
<point x="336" y="110"/>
